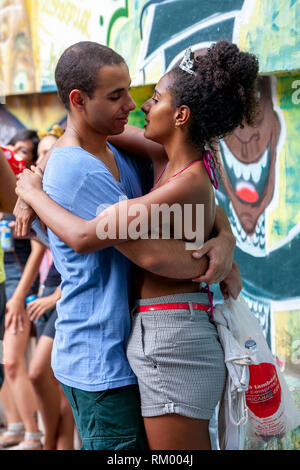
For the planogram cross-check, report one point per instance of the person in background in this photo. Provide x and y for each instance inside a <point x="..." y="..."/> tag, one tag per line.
<point x="55" y="410"/>
<point x="7" y="202"/>
<point x="22" y="280"/>
<point x="25" y="144"/>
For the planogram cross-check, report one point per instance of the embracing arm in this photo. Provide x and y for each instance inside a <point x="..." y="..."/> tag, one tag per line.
<point x="219" y="249"/>
<point x="167" y="258"/>
<point x="87" y="236"/>
<point x="132" y="140"/>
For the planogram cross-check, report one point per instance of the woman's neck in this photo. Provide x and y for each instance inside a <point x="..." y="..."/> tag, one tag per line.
<point x="181" y="154"/>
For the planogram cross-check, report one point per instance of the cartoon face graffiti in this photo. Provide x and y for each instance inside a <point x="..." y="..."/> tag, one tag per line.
<point x="247" y="166"/>
<point x="248" y="159"/>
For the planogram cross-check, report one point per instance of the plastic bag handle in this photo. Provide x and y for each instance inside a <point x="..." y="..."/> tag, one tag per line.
<point x="242" y="408"/>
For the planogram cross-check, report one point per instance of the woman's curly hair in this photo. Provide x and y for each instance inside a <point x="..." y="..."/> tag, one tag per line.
<point x="221" y="94"/>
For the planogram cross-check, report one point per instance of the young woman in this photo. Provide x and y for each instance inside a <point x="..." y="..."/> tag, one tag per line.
<point x="56" y="413"/>
<point x="173" y="348"/>
<point x="21" y="270"/>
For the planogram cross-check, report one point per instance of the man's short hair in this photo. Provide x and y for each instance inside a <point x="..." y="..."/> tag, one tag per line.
<point x="78" y="68"/>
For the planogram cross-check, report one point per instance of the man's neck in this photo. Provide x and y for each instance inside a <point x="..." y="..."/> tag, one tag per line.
<point x="84" y="137"/>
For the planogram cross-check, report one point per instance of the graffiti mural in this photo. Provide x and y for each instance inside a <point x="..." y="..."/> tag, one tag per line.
<point x="259" y="167"/>
<point x="16" y="55"/>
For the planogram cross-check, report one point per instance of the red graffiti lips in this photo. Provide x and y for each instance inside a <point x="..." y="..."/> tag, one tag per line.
<point x="246" y="192"/>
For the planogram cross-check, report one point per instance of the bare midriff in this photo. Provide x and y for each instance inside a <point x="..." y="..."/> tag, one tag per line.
<point x="150" y="285"/>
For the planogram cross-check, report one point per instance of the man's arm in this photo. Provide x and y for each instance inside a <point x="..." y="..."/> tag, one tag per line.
<point x="219" y="249"/>
<point x="7" y="186"/>
<point x="133" y="141"/>
<point x="167" y="258"/>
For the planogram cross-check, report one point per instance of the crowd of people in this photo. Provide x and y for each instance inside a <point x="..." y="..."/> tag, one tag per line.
<point x="28" y="388"/>
<point x="127" y="321"/>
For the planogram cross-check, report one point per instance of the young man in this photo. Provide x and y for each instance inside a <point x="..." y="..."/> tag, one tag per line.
<point x="84" y="172"/>
<point x="7" y="202"/>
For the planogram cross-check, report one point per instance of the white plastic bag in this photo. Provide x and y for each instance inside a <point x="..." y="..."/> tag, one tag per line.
<point x="233" y="411"/>
<point x="271" y="409"/>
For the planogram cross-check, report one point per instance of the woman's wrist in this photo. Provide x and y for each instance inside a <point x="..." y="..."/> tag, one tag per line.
<point x="32" y="195"/>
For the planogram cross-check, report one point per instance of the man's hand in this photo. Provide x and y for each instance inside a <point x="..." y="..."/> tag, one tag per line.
<point x="220" y="252"/>
<point x="233" y="284"/>
<point x="15" y="315"/>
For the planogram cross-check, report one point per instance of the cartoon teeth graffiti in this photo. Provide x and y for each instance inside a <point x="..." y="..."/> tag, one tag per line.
<point x="248" y="160"/>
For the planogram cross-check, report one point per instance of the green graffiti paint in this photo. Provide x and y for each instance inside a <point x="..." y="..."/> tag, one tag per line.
<point x="118" y="14"/>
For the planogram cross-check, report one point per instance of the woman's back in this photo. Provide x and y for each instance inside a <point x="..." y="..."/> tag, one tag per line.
<point x="200" y="193"/>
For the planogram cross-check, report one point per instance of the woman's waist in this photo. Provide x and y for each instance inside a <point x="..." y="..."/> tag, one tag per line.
<point x="181" y="299"/>
<point x="151" y="285"/>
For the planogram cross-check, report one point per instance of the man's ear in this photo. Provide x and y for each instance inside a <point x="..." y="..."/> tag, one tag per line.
<point x="76" y="99"/>
<point x="182" y="116"/>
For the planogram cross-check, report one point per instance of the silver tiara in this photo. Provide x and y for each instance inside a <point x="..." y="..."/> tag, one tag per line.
<point x="187" y="62"/>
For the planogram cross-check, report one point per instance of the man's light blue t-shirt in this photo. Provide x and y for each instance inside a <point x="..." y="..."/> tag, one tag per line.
<point x="93" y="324"/>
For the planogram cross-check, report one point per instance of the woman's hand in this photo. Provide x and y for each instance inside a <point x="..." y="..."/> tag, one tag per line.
<point x="37" y="308"/>
<point x="29" y="182"/>
<point x="15" y="315"/>
<point x="233" y="283"/>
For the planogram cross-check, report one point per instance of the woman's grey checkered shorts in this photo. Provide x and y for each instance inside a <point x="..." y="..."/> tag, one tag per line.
<point x="177" y="358"/>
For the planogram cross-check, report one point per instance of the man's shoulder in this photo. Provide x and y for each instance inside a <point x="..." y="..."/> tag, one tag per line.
<point x="61" y="155"/>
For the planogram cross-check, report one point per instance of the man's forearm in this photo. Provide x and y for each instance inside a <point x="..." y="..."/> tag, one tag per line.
<point x="167" y="258"/>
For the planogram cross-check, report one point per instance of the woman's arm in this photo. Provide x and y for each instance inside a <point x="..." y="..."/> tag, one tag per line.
<point x="114" y="225"/>
<point x="15" y="307"/>
<point x="133" y="141"/>
<point x="7" y="186"/>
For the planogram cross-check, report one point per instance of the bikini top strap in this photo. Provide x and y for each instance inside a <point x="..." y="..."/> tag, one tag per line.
<point x="158" y="179"/>
<point x="210" y="165"/>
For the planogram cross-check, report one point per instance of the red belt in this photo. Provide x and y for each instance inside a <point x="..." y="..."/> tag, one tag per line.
<point x="173" y="306"/>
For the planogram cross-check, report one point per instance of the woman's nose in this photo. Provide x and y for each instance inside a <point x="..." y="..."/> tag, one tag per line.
<point x="145" y="107"/>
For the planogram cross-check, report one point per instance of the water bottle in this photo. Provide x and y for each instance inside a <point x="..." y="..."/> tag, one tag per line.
<point x="43" y="318"/>
<point x="7" y="241"/>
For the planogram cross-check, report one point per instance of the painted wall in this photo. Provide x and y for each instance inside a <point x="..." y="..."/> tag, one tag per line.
<point x="259" y="166"/>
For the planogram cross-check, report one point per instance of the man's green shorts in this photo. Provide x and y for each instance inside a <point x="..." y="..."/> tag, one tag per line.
<point x="108" y="420"/>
